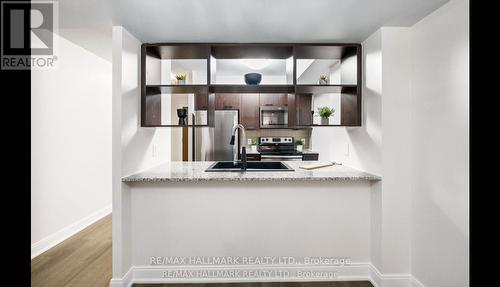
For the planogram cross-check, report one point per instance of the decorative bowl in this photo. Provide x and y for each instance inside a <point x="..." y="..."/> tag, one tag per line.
<point x="253" y="78"/>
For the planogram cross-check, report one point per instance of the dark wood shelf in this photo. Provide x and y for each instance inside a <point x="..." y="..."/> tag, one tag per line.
<point x="313" y="125"/>
<point x="252" y="89"/>
<point x="249" y="97"/>
<point x="314" y="89"/>
<point x="176" y="89"/>
<point x="261" y="50"/>
<point x="203" y="89"/>
<point x="325" y="51"/>
<point x="178" y="51"/>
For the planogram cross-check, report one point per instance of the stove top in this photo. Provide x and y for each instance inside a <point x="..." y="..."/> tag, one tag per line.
<point x="277" y="146"/>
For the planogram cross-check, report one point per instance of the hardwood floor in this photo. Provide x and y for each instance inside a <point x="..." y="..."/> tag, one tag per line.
<point x="268" y="284"/>
<point x="84" y="260"/>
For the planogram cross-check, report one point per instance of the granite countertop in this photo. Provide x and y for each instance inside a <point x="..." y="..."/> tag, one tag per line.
<point x="195" y="171"/>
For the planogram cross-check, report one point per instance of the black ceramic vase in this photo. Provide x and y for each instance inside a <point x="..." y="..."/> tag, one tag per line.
<point x="182" y="114"/>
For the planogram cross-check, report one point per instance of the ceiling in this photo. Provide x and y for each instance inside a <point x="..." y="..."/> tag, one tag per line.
<point x="236" y="20"/>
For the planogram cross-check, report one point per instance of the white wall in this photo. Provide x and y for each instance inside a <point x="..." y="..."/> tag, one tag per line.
<point x="440" y="134"/>
<point x="424" y="156"/>
<point x="191" y="219"/>
<point x="395" y="197"/>
<point x="70" y="145"/>
<point x="381" y="145"/>
<point x="141" y="147"/>
<point x="359" y="147"/>
<point x="134" y="148"/>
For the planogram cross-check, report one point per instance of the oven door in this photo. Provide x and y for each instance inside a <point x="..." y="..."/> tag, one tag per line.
<point x="273" y="117"/>
<point x="268" y="157"/>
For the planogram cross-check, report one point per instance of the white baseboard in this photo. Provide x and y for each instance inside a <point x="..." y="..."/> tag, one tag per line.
<point x="388" y="280"/>
<point x="68" y="231"/>
<point x="352" y="272"/>
<point x="415" y="282"/>
<point x="127" y="280"/>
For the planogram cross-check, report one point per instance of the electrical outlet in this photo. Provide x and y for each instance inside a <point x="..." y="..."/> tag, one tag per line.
<point x="346" y="150"/>
<point x="249" y="141"/>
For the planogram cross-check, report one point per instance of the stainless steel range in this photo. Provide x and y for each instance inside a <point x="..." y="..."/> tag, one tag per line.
<point x="278" y="148"/>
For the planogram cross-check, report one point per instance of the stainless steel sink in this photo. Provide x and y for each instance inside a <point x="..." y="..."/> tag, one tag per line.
<point x="229" y="166"/>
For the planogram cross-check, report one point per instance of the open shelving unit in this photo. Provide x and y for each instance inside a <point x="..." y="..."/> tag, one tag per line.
<point x="298" y="63"/>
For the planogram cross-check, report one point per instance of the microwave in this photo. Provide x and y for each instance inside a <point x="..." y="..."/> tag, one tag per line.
<point x="273" y="117"/>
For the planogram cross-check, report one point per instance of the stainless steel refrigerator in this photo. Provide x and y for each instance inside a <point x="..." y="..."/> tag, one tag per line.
<point x="212" y="143"/>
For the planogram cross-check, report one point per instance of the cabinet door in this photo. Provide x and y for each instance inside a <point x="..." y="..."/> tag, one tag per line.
<point x="303" y="107"/>
<point x="274" y="100"/>
<point x="250" y="111"/>
<point x="227" y="101"/>
<point x="282" y="100"/>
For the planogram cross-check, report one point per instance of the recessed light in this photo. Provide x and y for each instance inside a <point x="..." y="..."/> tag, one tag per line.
<point x="256" y="64"/>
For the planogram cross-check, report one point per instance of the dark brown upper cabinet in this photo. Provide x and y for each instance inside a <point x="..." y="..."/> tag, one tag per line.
<point x="277" y="100"/>
<point x="304" y="115"/>
<point x="250" y="111"/>
<point x="208" y="87"/>
<point x="227" y="101"/>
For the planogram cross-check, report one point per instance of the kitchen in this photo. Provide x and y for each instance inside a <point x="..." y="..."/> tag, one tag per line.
<point x="212" y="114"/>
<point x="273" y="104"/>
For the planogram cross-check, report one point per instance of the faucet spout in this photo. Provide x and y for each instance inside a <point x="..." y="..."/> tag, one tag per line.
<point x="233" y="141"/>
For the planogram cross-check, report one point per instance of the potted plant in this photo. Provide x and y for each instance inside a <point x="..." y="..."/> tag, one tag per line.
<point x="253" y="145"/>
<point x="323" y="80"/>
<point x="325" y="113"/>
<point x="181" y="79"/>
<point x="299" y="145"/>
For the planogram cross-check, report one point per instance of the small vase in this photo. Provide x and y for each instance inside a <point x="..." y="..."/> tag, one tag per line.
<point x="182" y="114"/>
<point x="254" y="148"/>
<point x="300" y="148"/>
<point x="181" y="82"/>
<point x="323" y="82"/>
<point x="324" y="121"/>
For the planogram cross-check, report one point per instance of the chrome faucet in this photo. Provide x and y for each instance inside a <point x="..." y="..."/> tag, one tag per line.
<point x="235" y="145"/>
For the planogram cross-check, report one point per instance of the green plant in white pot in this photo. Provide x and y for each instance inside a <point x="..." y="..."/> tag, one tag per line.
<point x="325" y="113"/>
<point x="299" y="145"/>
<point x="323" y="80"/>
<point x="181" y="79"/>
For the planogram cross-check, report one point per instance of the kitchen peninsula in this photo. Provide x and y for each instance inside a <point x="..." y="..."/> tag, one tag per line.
<point x="177" y="209"/>
<point x="167" y="205"/>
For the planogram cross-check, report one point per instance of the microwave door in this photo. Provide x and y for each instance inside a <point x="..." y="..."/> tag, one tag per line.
<point x="273" y="117"/>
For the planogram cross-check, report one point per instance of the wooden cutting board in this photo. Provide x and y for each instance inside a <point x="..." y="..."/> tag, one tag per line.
<point x="317" y="165"/>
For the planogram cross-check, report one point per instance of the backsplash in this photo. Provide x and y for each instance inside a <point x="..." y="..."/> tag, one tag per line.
<point x="296" y="134"/>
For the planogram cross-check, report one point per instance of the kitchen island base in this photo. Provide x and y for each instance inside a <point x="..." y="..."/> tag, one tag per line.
<point x="186" y="231"/>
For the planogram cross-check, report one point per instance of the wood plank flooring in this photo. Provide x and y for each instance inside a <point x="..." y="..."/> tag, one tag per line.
<point x="84" y="260"/>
